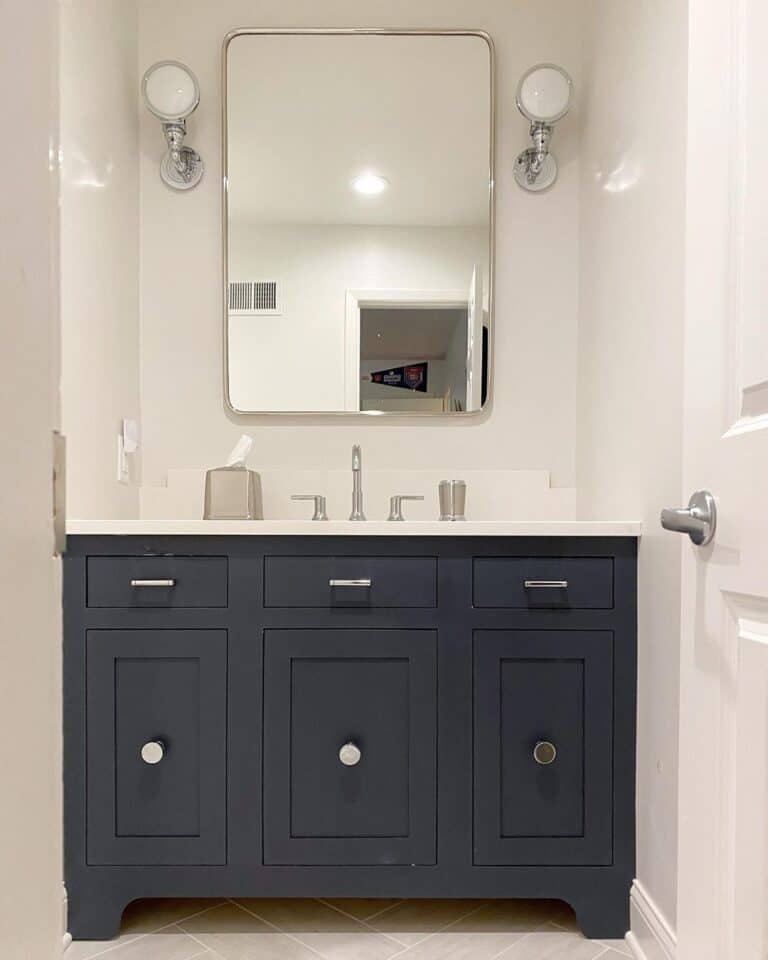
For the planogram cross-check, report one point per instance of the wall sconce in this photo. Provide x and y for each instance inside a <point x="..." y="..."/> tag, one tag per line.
<point x="543" y="97"/>
<point x="171" y="93"/>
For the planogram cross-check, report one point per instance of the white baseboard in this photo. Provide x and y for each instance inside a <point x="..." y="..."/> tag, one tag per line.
<point x="650" y="937"/>
<point x="66" y="938"/>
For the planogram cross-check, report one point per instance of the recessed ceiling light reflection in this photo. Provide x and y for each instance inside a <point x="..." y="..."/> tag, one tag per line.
<point x="370" y="184"/>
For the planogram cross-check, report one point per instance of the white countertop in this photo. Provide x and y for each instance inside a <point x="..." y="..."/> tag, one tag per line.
<point x="370" y="528"/>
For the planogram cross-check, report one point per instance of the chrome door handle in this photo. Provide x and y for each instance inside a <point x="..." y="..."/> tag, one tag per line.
<point x="364" y="582"/>
<point x="546" y="584"/>
<point x="698" y="519"/>
<point x="153" y="583"/>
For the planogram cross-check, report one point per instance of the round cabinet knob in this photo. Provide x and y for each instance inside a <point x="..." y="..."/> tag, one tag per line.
<point x="544" y="753"/>
<point x="153" y="751"/>
<point x="350" y="754"/>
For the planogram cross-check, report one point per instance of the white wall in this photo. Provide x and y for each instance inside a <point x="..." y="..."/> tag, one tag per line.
<point x="296" y="361"/>
<point x="630" y="359"/>
<point x="532" y="419"/>
<point x="99" y="249"/>
<point x="30" y="636"/>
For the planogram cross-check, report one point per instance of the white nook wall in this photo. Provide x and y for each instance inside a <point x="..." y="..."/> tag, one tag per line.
<point x="30" y="579"/>
<point x="99" y="248"/>
<point x="630" y="360"/>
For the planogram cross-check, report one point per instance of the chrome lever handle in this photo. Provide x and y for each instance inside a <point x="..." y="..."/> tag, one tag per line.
<point x="153" y="583"/>
<point x="545" y="584"/>
<point x="320" y="511"/>
<point x="363" y="582"/>
<point x="396" y="505"/>
<point x="698" y="519"/>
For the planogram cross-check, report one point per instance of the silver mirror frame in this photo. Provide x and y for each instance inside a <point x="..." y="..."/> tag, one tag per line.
<point x="389" y="32"/>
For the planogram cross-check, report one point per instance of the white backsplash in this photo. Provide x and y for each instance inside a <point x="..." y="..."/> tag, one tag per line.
<point x="491" y="494"/>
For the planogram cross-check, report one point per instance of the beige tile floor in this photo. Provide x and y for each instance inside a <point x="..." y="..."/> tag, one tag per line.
<point x="349" y="930"/>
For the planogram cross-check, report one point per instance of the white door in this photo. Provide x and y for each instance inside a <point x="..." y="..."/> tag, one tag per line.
<point x="30" y="635"/>
<point x="475" y="340"/>
<point x="723" y="797"/>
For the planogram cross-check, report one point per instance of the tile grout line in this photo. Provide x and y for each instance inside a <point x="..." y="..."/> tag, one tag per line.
<point x="392" y="906"/>
<point x="365" y="923"/>
<point x="626" y="951"/>
<point x="189" y="916"/>
<point x="351" y="916"/>
<point x="542" y="929"/>
<point x="274" y="926"/>
<point x="433" y="933"/>
<point x="149" y="933"/>
<point x="442" y="929"/>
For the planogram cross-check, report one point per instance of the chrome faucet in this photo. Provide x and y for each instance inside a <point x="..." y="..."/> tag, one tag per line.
<point x="357" y="485"/>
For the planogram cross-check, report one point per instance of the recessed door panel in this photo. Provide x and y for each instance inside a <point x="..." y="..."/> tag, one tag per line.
<point x="543" y="747"/>
<point x="156" y="720"/>
<point x="363" y="702"/>
<point x="542" y="702"/>
<point x="349" y="746"/>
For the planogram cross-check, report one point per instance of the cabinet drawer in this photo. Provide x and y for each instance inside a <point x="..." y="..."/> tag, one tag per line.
<point x="156" y="746"/>
<point x="157" y="582"/>
<point x="543" y="747"/>
<point x="326" y="581"/>
<point x="350" y="747"/>
<point x="576" y="583"/>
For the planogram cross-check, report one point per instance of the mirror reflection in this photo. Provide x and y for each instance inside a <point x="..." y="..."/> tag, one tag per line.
<point x="358" y="222"/>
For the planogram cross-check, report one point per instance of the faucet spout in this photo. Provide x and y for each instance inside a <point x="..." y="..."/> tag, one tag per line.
<point x="357" y="485"/>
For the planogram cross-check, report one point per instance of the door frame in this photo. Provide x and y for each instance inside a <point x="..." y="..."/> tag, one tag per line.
<point x="359" y="299"/>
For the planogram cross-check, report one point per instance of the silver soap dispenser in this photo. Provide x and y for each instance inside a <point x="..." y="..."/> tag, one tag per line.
<point x="233" y="492"/>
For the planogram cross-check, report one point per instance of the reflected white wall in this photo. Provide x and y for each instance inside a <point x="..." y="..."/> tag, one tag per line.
<point x="296" y="361"/>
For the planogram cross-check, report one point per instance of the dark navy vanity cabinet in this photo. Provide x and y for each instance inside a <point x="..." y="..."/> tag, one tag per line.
<point x="404" y="716"/>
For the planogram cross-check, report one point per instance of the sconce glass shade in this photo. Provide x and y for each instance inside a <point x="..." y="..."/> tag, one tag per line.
<point x="170" y="90"/>
<point x="544" y="93"/>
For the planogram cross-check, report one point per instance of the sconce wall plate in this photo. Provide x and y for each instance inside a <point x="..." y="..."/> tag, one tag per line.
<point x="532" y="175"/>
<point x="171" y="93"/>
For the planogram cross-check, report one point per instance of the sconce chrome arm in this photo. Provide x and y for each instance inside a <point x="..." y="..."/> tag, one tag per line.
<point x="182" y="167"/>
<point x="536" y="167"/>
<point x="541" y="134"/>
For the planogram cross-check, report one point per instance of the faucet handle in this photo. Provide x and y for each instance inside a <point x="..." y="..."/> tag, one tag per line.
<point x="319" y="513"/>
<point x="396" y="505"/>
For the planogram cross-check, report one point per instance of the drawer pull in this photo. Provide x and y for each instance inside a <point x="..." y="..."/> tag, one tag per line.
<point x="153" y="752"/>
<point x="365" y="582"/>
<point x="546" y="584"/>
<point x="153" y="583"/>
<point x="350" y="754"/>
<point x="544" y="753"/>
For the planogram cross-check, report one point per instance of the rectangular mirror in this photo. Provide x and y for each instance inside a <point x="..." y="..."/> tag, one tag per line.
<point x="358" y="221"/>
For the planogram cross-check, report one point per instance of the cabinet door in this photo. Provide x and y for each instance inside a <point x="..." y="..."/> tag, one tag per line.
<point x="543" y="746"/>
<point x="349" y="746"/>
<point x="156" y="722"/>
